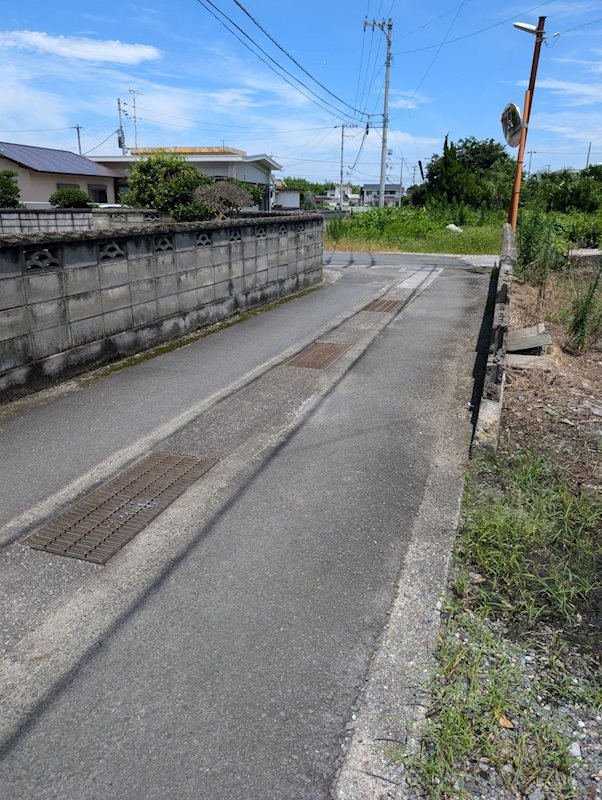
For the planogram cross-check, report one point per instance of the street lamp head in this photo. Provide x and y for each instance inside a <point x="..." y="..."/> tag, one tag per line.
<point x="525" y="26"/>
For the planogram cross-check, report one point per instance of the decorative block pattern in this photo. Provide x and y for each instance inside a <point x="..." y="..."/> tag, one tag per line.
<point x="92" y="296"/>
<point x="44" y="258"/>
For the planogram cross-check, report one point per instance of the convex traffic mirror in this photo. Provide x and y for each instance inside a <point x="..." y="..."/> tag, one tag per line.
<point x="512" y="124"/>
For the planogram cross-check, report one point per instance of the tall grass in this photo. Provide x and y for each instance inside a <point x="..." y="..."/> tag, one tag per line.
<point x="418" y="230"/>
<point x="585" y="326"/>
<point x="541" y="248"/>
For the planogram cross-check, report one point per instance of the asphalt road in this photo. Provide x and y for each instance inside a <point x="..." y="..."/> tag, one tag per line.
<point x="235" y="673"/>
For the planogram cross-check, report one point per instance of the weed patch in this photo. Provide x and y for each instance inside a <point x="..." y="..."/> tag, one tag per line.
<point x="417" y="230"/>
<point x="516" y="691"/>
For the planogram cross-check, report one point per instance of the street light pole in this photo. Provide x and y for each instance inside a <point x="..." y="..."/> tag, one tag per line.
<point x="539" y="37"/>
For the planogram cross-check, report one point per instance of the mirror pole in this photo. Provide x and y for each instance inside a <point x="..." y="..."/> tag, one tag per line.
<point x="513" y="212"/>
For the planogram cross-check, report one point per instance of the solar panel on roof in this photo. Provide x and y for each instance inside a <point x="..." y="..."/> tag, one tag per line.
<point x="45" y="159"/>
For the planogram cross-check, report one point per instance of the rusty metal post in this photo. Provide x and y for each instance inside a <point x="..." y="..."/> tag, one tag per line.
<point x="513" y="212"/>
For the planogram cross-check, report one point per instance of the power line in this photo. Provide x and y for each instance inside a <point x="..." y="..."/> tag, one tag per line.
<point x="100" y="144"/>
<point x="203" y="123"/>
<point x="474" y="33"/>
<point x="432" y="21"/>
<point x="374" y="73"/>
<point x="293" y="59"/>
<point x="320" y="100"/>
<point x="357" y="158"/>
<point x="38" y="130"/>
<point x="430" y="66"/>
<point x="359" y="73"/>
<point x="577" y="27"/>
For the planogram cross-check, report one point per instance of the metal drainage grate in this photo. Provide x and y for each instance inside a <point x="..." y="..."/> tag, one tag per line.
<point x="318" y="355"/>
<point x="103" y="522"/>
<point x="383" y="305"/>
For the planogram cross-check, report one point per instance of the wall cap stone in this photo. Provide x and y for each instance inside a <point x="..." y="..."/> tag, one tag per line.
<point x="148" y="229"/>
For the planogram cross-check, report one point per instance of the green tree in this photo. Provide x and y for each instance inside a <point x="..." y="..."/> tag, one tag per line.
<point x="303" y="185"/>
<point x="477" y="173"/>
<point x="163" y="181"/>
<point x="478" y="155"/>
<point x="448" y="180"/>
<point x="564" y="191"/>
<point x="69" y="198"/>
<point x="9" y="189"/>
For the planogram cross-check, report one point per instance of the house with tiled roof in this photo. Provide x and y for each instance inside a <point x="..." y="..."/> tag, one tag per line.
<point x="43" y="170"/>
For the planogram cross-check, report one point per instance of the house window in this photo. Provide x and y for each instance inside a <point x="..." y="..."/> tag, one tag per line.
<point x="98" y="193"/>
<point x="67" y="186"/>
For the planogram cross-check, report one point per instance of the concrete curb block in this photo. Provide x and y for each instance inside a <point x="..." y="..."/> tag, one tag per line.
<point x="487" y="427"/>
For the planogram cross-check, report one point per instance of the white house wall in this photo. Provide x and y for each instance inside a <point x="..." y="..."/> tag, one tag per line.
<point x="240" y="170"/>
<point x="36" y="187"/>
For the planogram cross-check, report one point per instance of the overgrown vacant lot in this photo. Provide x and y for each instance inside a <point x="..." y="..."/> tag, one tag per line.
<point x="516" y="695"/>
<point x="423" y="230"/>
<point x="417" y="230"/>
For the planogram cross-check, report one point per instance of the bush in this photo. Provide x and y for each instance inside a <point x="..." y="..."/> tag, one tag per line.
<point x="224" y="198"/>
<point x="192" y="212"/>
<point x="255" y="191"/>
<point x="165" y="182"/>
<point x="9" y="189"/>
<point x="582" y="230"/>
<point x="70" y="198"/>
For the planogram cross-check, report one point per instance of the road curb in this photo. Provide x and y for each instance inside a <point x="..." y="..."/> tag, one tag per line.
<point x="487" y="428"/>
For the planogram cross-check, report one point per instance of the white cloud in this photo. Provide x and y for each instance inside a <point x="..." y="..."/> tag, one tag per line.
<point x="24" y="107"/>
<point x="567" y="8"/>
<point x="574" y="127"/>
<point x="79" y="48"/>
<point x="573" y="92"/>
<point x="406" y="100"/>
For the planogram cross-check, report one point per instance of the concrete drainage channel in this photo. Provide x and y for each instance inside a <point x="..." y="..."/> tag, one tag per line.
<point x="268" y="410"/>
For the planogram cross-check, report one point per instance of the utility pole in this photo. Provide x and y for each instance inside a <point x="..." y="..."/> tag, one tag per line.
<point x="386" y="27"/>
<point x="343" y="126"/>
<point x="414" y="168"/>
<point x="79" y="141"/>
<point x="589" y="152"/>
<point x="539" y="37"/>
<point x="135" y="94"/>
<point x="400" y="182"/>
<point x="531" y="152"/>
<point x="341" y="175"/>
<point x="120" y="131"/>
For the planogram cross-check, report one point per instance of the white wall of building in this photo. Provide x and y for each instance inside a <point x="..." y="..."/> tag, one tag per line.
<point x="36" y="187"/>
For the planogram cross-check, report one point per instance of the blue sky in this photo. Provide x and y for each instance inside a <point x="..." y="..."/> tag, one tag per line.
<point x="65" y="63"/>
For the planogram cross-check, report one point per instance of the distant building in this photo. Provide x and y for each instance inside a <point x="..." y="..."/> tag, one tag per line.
<point x="43" y="170"/>
<point x="216" y="162"/>
<point x="371" y="194"/>
<point x="286" y="199"/>
<point x="333" y="196"/>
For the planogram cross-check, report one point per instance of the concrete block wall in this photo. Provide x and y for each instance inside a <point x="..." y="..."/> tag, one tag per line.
<point x="76" y="219"/>
<point x="69" y="301"/>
